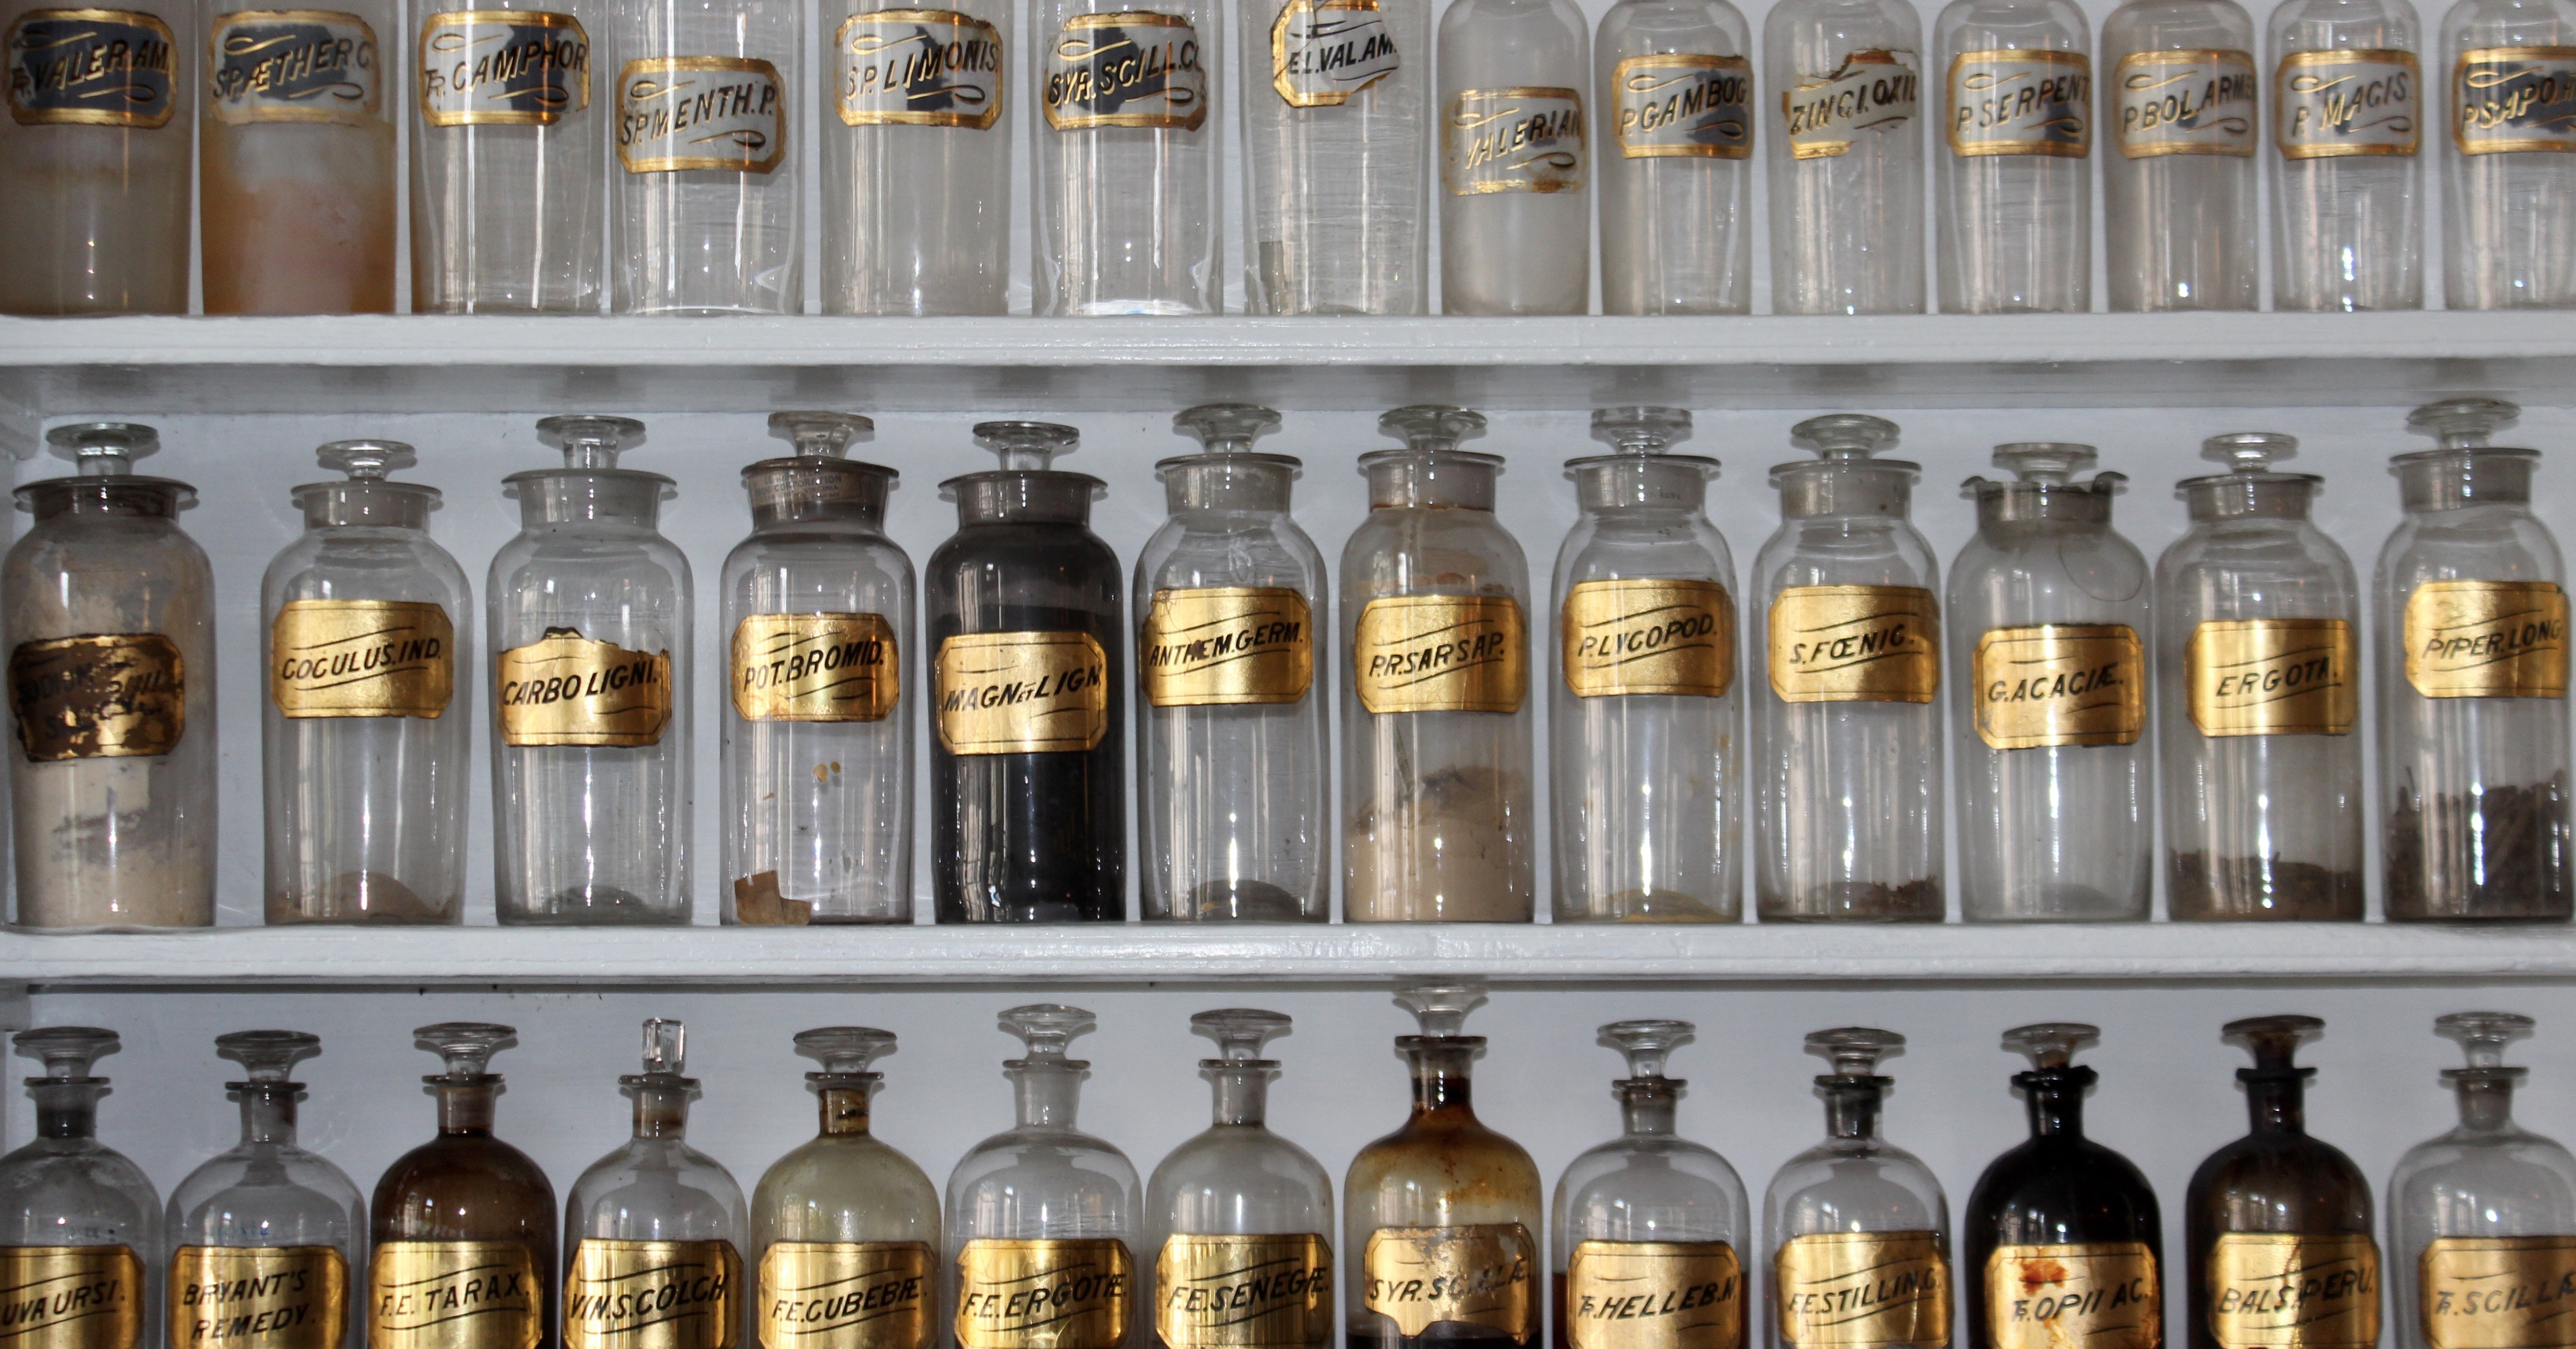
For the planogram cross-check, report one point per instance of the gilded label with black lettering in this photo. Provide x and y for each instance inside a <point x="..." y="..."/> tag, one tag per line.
<point x="361" y="658"/>
<point x="1481" y="1274"/>
<point x="568" y="690"/>
<point x="1682" y="105"/>
<point x="1078" y="1294"/>
<point x="1523" y="139"/>
<point x="1653" y="1295"/>
<point x="652" y="1295"/>
<point x="701" y="112"/>
<point x="815" y="667"/>
<point x="502" y="67"/>
<point x="91" y="67"/>
<point x="1875" y="90"/>
<point x="1020" y="692"/>
<point x="1856" y="644"/>
<point x="1226" y="645"/>
<point x="2347" y="101"/>
<point x="2061" y="684"/>
<point x="2487" y="639"/>
<point x="1244" y="1292"/>
<point x="918" y="67"/>
<point x="294" y="65"/>
<point x="2272" y="676"/>
<point x="2091" y="1295"/>
<point x="2499" y="1292"/>
<point x="100" y="697"/>
<point x="848" y="1295"/>
<point x="2198" y="102"/>
<point x="1324" y="51"/>
<point x="70" y="1297"/>
<point x="2506" y="99"/>
<point x="1441" y="653"/>
<point x="2021" y="101"/>
<point x="258" y="1297"/>
<point x="1669" y="637"/>
<point x="454" y="1295"/>
<point x="1864" y="1290"/>
<point x="1135" y="69"/>
<point x="2275" y="1290"/>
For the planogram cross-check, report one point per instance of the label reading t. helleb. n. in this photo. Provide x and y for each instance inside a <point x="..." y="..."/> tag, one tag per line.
<point x="1480" y="1274"/>
<point x="701" y="112"/>
<point x="454" y="1295"/>
<point x="1872" y="89"/>
<point x="1074" y="1294"/>
<point x="2506" y="99"/>
<point x="1679" y="105"/>
<point x="1653" y="1295"/>
<point x="1324" y="51"/>
<point x="2349" y="101"/>
<point x="1522" y="139"/>
<point x="2089" y="1295"/>
<point x="2060" y="684"/>
<point x="2272" y="676"/>
<point x="293" y="65"/>
<point x="1244" y="1292"/>
<point x="653" y="1295"/>
<point x="1020" y="692"/>
<point x="565" y="689"/>
<point x="848" y="1295"/>
<point x="361" y="658"/>
<point x="2487" y="639"/>
<point x="1864" y="1290"/>
<point x="1226" y="645"/>
<point x="1441" y="653"/>
<point x="918" y="67"/>
<point x="1673" y="637"/>
<point x="2276" y="1290"/>
<point x="90" y="67"/>
<point x="2184" y="103"/>
<point x="1845" y="644"/>
<point x="502" y="67"/>
<point x="98" y="697"/>
<point x="258" y="1297"/>
<point x="71" y="1297"/>
<point x="2498" y="1292"/>
<point x="1134" y="69"/>
<point x="2021" y="102"/>
<point x="815" y="667"/>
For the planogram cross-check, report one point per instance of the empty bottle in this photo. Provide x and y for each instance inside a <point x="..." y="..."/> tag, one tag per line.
<point x="2178" y="197"/>
<point x="705" y="213"/>
<point x="2347" y="190"/>
<point x="916" y="159"/>
<point x="1515" y="214"/>
<point x="1674" y="105"/>
<point x="464" y="1224"/>
<point x="2015" y="186"/>
<point x="1857" y="1228"/>
<point x="844" y="1229"/>
<point x="506" y="156"/>
<point x="1337" y="182"/>
<point x="2509" y="170"/>
<point x="653" y="1231"/>
<point x="1847" y="158"/>
<point x="1129" y="172"/>
<point x="79" y="1215"/>
<point x="97" y="207"/>
<point x="295" y="182"/>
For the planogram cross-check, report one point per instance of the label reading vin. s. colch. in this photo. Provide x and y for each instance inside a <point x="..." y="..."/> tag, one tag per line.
<point x="2021" y="102"/>
<point x="502" y="67"/>
<point x="2498" y="1292"/>
<point x="293" y="65"/>
<point x="361" y="658"/>
<point x="2507" y="99"/>
<point x="1477" y="1275"/>
<point x="2056" y="684"/>
<point x="701" y="112"/>
<point x="2272" y="676"/>
<point x="566" y="689"/>
<point x="814" y="667"/>
<point x="90" y="67"/>
<point x="918" y="67"/>
<point x="2348" y="101"/>
<point x="652" y="1295"/>
<point x="2198" y="102"/>
<point x="848" y="1295"/>
<point x="1244" y="1292"/>
<point x="1653" y="1295"/>
<point x="1441" y="653"/>
<point x="1324" y="51"/>
<point x="258" y="1297"/>
<point x="1226" y="646"/>
<point x="1647" y="636"/>
<point x="2087" y="1295"/>
<point x="1872" y="90"/>
<point x="1864" y="1290"/>
<point x="1521" y="139"/>
<point x="1135" y="68"/>
<point x="1846" y="644"/>
<point x="454" y="1295"/>
<point x="1071" y="1294"/>
<point x="2279" y="1290"/>
<point x="1020" y="692"/>
<point x="1681" y="105"/>
<point x="98" y="697"/>
<point x="2487" y="639"/>
<point x="70" y="1297"/>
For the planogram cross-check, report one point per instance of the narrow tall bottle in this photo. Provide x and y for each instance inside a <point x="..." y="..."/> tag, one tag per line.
<point x="2183" y="102"/>
<point x="1129" y="172"/>
<point x="1337" y="182"/>
<point x="1847" y="157"/>
<point x="464" y="1224"/>
<point x="2348" y="113"/>
<point x="506" y="155"/>
<point x="705" y="213"/>
<point x="845" y="1229"/>
<point x="76" y="1214"/>
<point x="2509" y="166"/>
<point x="1515" y="204"/>
<point x="653" y="1231"/>
<point x="1857" y="1228"/>
<point x="97" y="207"/>
<point x="1674" y="117"/>
<point x="2015" y="185"/>
<point x="916" y="158"/>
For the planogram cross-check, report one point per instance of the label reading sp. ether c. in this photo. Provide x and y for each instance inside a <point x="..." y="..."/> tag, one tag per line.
<point x="1653" y="1295"/>
<point x="71" y="1297"/>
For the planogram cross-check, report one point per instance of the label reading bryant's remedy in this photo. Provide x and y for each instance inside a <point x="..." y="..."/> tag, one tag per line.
<point x="2184" y="103"/>
<point x="454" y="1295"/>
<point x="1441" y="653"/>
<point x="701" y="112"/>
<point x="653" y="1295"/>
<point x="1044" y="1294"/>
<point x="569" y="690"/>
<point x="1648" y="637"/>
<point x="2091" y="1295"/>
<point x="293" y="65"/>
<point x="1680" y="106"/>
<point x="1135" y="68"/>
<point x="2506" y="99"/>
<point x="258" y="1297"/>
<point x="918" y="67"/>
<point x="1864" y="1290"/>
<point x="1481" y="1274"/>
<point x="2499" y="1292"/>
<point x="90" y="67"/>
<point x="1653" y="1295"/>
<point x="361" y="658"/>
<point x="502" y="67"/>
<point x="2355" y="101"/>
<point x="2021" y="102"/>
<point x="2272" y="1290"/>
<point x="1244" y="1292"/>
<point x="1226" y="645"/>
<point x="1324" y="51"/>
<point x="847" y="1295"/>
<point x="1020" y="692"/>
<point x="2487" y="639"/>
<point x="814" y="667"/>
<point x="2272" y="676"/>
<point x="1875" y="88"/>
<point x="70" y="1297"/>
<point x="2061" y="684"/>
<point x="102" y="697"/>
<point x="1526" y="139"/>
<point x="1847" y="644"/>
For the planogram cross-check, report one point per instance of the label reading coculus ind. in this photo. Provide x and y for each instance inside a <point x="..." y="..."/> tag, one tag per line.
<point x="1874" y="89"/>
<point x="90" y="67"/>
<point x="2352" y="101"/>
<point x="361" y="658"/>
<point x="1324" y="51"/>
<point x="2019" y="102"/>
<point x="293" y="65"/>
<point x="1133" y="69"/>
<point x="918" y="67"/>
<point x="1512" y="140"/>
<point x="502" y="67"/>
<point x="1680" y="105"/>
<point x="2505" y="99"/>
<point x="2184" y="103"/>
<point x="701" y="112"/>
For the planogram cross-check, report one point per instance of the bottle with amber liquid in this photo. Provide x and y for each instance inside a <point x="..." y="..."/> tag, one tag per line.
<point x="846" y="1229"/>
<point x="464" y="1224"/>
<point x="654" y="1229"/>
<point x="2277" y="1210"/>
<point x="1856" y="1222"/>
<point x="76" y="1211"/>
<point x="2062" y="1240"/>
<point x="1443" y="1214"/>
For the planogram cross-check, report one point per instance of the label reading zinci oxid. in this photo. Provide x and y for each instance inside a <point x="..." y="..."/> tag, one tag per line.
<point x="1872" y="89"/>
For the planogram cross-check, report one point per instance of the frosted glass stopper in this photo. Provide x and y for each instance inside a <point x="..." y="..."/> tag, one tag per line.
<point x="2483" y="1035"/>
<point x="1225" y="428"/>
<point x="845" y="1051"/>
<point x="2274" y="1040"/>
<point x="1641" y="430"/>
<point x="666" y="1046"/>
<point x="1027" y="447"/>
<point x="2463" y="423"/>
<point x="268" y="1054"/>
<point x="467" y="1047"/>
<point x="366" y="459"/>
<point x="1855" y="1050"/>
<point x="1048" y="1028"/>
<point x="67" y="1051"/>
<point x="2249" y="451"/>
<point x="1431" y="426"/>
<point x="103" y="449"/>
<point x="1647" y="1043"/>
<point x="1441" y="1008"/>
<point x="1844" y="435"/>
<point x="2048" y="461"/>
<point x="2051" y="1044"/>
<point x="590" y="440"/>
<point x="1239" y="1032"/>
<point x="822" y="435"/>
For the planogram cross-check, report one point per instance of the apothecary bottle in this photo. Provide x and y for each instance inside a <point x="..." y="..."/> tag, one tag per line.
<point x="916" y="157"/>
<point x="2348" y="109"/>
<point x="2509" y="158"/>
<point x="509" y="133"/>
<point x="1230" y="607"/>
<point x="590" y="612"/>
<point x="2014" y="191"/>
<point x="2472" y="666"/>
<point x="1336" y="173"/>
<point x="1651" y="1213"/>
<point x="464" y="1224"/>
<point x="1128" y="156"/>
<point x="844" y="1229"/>
<point x="1243" y="1218"/>
<point x="368" y="623"/>
<point x="1436" y="797"/>
<point x="1846" y="748"/>
<point x="1515" y="196"/>
<point x="2183" y="102"/>
<point x="110" y="618"/>
<point x="1443" y="1194"/>
<point x="266" y="1232"/>
<point x="1643" y="716"/>
<point x="1028" y="648"/>
<point x="2278" y="1205"/>
<point x="1674" y="119"/>
<point x="2258" y="661"/>
<point x="78" y="1214"/>
<point x="2482" y="1217"/>
<point x="705" y="215"/>
<point x="818" y="617"/>
<point x="97" y="207"/>
<point x="2048" y="635"/>
<point x="1846" y="158"/>
<point x="1856" y="1222"/>
<point x="653" y="1231"/>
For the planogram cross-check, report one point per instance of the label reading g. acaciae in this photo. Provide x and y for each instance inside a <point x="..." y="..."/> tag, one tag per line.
<point x="848" y="1295"/>
<point x="258" y="1297"/>
<point x="1039" y="1294"/>
<point x="1864" y="1290"/>
<point x="1653" y="1295"/>
<point x="70" y="1297"/>
<point x="2276" y="1290"/>
<point x="1479" y="1274"/>
<point x="2059" y="684"/>
<point x="1244" y="1292"/>
<point x="2087" y="1295"/>
<point x="653" y="1295"/>
<point x="454" y="1295"/>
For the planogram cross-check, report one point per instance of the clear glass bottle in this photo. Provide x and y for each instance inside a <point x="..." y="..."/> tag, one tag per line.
<point x="1028" y="769"/>
<point x="1648" y="1232"/>
<point x="1231" y="789"/>
<point x="366" y="768"/>
<point x="1043" y="1205"/>
<point x="2347" y="191"/>
<point x="590" y="610"/>
<point x="1855" y="1221"/>
<point x="1130" y="179"/>
<point x="1673" y="94"/>
<point x="1243" y="1218"/>
<point x="77" y="1216"/>
<point x="266" y="1233"/>
<point x="653" y="1231"/>
<point x="1436" y="796"/>
<point x="109" y="611"/>
<point x="2508" y="174"/>
<point x="916" y="158"/>
<point x="817" y="735"/>
<point x="464" y="1224"/>
<point x="1643" y="716"/>
<point x="2481" y="1218"/>
<point x="2048" y="637"/>
<point x="506" y="155"/>
<point x="705" y="212"/>
<point x="2258" y="691"/>
<point x="845" y="1228"/>
<point x="1515" y="207"/>
<point x="2014" y="192"/>
<point x="1846" y="757"/>
<point x="1847" y="156"/>
<point x="1444" y="1213"/>
<point x="2178" y="197"/>
<point x="2472" y="664"/>
<point x="1337" y="181"/>
<point x="97" y="209"/>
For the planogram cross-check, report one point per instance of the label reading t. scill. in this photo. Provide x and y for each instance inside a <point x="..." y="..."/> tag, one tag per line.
<point x="652" y="1295"/>
<point x="70" y="1297"/>
<point x="2276" y="1290"/>
<point x="1020" y="692"/>
<point x="1679" y="105"/>
<point x="1478" y="1275"/>
<point x="454" y="1295"/>
<point x="2021" y="102"/>
<point x="2507" y="99"/>
<point x="258" y="1297"/>
<point x="98" y="697"/>
<point x="1873" y="89"/>
<point x="502" y="67"/>
<point x="2499" y="1292"/>
<point x="1523" y="139"/>
<point x="1441" y="653"/>
<point x="1135" y="68"/>
<point x="918" y="67"/>
<point x="2088" y="1295"/>
<point x="293" y="65"/>
<point x="848" y="1295"/>
<point x="2352" y="101"/>
<point x="701" y="112"/>
<point x="361" y="658"/>
<point x="1647" y="636"/>
<point x="1069" y="1294"/>
<point x="2059" y="684"/>
<point x="566" y="689"/>
<point x="1244" y="1292"/>
<point x="1653" y="1295"/>
<point x="1324" y="51"/>
<point x="1863" y="1290"/>
<point x="2487" y="639"/>
<point x="1211" y="646"/>
<point x="90" y="67"/>
<point x="2185" y="103"/>
<point x="1840" y="644"/>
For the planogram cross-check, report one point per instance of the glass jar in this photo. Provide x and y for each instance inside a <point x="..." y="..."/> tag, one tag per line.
<point x="366" y="769"/>
<point x="1847" y="157"/>
<point x="844" y="1229"/>
<point x="2258" y="680"/>
<point x="2347" y="111"/>
<point x="74" y="1208"/>
<point x="590" y="610"/>
<point x="2048" y="627"/>
<point x="1846" y="761"/>
<point x="1673" y="96"/>
<point x="1857" y="1225"/>
<point x="1515" y="210"/>
<point x="2472" y="608"/>
<point x="463" y="1225"/>
<point x="916" y="159"/>
<point x="817" y="733"/>
<point x="1233" y="820"/>
<point x="96" y="214"/>
<point x="1130" y="182"/>
<point x="1643" y="716"/>
<point x="2178" y="226"/>
<point x="109" y="612"/>
<point x="2015" y="186"/>
<point x="705" y="212"/>
<point x="653" y="1231"/>
<point x="506" y="156"/>
<point x="1436" y="796"/>
<point x="2508" y="174"/>
<point x="1337" y="185"/>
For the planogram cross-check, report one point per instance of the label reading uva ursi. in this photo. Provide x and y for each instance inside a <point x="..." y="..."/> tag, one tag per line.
<point x="2276" y="1290"/>
<point x="1020" y="692"/>
<point x="1135" y="68"/>
<point x="502" y="67"/>
<point x="918" y="67"/>
<point x="1647" y="636"/>
<point x="70" y="1297"/>
<point x="1680" y="106"/>
<point x="815" y="667"/>
<point x="2272" y="676"/>
<point x="98" y="697"/>
<point x="1441" y="653"/>
<point x="2057" y="684"/>
<point x="2021" y="102"/>
<point x="258" y="1297"/>
<point x="1527" y="139"/>
<point x="1653" y="1295"/>
<point x="2349" y="101"/>
<point x="1844" y="644"/>
<point x="2499" y="1292"/>
<point x="293" y="65"/>
<point x="90" y="67"/>
<point x="2088" y="1295"/>
<point x="652" y="1295"/>
<point x="1244" y="1292"/>
<point x="361" y="658"/>
<point x="848" y="1295"/>
<point x="2487" y="639"/>
<point x="454" y="1295"/>
<point x="1075" y="1294"/>
<point x="566" y="689"/>
<point x="1226" y="646"/>
<point x="1324" y="51"/>
<point x="1864" y="1290"/>
<point x="2508" y="99"/>
<point x="1481" y="1274"/>
<point x="2184" y="103"/>
<point x="1872" y="90"/>
<point x="701" y="112"/>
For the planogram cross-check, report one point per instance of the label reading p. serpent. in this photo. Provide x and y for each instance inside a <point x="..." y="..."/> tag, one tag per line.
<point x="1864" y="1290"/>
<point x="2508" y="99"/>
<point x="918" y="67"/>
<point x="1324" y="51"/>
<point x="98" y="697"/>
<point x="1653" y="1295"/>
<point x="454" y="1295"/>
<point x="652" y="1295"/>
<point x="1020" y="692"/>
<point x="258" y="1297"/>
<point x="2088" y="1295"/>
<point x="2021" y="102"/>
<point x="1441" y="653"/>
<point x="2060" y="684"/>
<point x="701" y="112"/>
<point x="1846" y="644"/>
<point x="293" y="65"/>
<point x="1522" y="139"/>
<point x="1481" y="1274"/>
<point x="90" y="67"/>
<point x="361" y="658"/>
<point x="2199" y="102"/>
<point x="2272" y="676"/>
<point x="1678" y="105"/>
<point x="71" y="1297"/>
<point x="848" y="1295"/>
<point x="2498" y="1292"/>
<point x="1226" y="646"/>
<point x="815" y="667"/>
<point x="2349" y="101"/>
<point x="1648" y="636"/>
<point x="502" y="67"/>
<point x="1244" y="1292"/>
<point x="1073" y="1294"/>
<point x="1872" y="88"/>
<point x="565" y="689"/>
<point x="1135" y="68"/>
<point x="2487" y="639"/>
<point x="2276" y="1290"/>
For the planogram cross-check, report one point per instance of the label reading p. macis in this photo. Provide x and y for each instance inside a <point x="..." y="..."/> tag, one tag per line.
<point x="2355" y="101"/>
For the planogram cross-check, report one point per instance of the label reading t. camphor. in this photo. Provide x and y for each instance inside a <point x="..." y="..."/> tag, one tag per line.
<point x="71" y="1297"/>
<point x="454" y="1295"/>
<point x="1134" y="68"/>
<point x="701" y="112"/>
<point x="1225" y="646"/>
<point x="2275" y="1290"/>
<point x="1324" y="51"/>
<point x="1078" y="1294"/>
<point x="1872" y="89"/>
<point x="1653" y="1295"/>
<point x="848" y="1295"/>
<point x="2060" y="684"/>
<point x="2090" y="1295"/>
<point x="1522" y="139"/>
<point x="1672" y="637"/>
<point x="1441" y="653"/>
<point x="1679" y="105"/>
<point x="258" y="1297"/>
<point x="2021" y="102"/>
<point x="2351" y="101"/>
<point x="1020" y="692"/>
<point x="815" y="667"/>
<point x="2506" y="99"/>
<point x="1847" y="644"/>
<point x="1481" y="1274"/>
<point x="502" y="67"/>
<point x="98" y="697"/>
<point x="566" y="689"/>
<point x="90" y="67"/>
<point x="361" y="658"/>
<point x="2487" y="639"/>
<point x="1244" y="1292"/>
<point x="2184" y="103"/>
<point x="918" y="67"/>
<point x="2272" y="676"/>
<point x="2498" y="1292"/>
<point x="293" y="65"/>
<point x="652" y="1295"/>
<point x="1864" y="1290"/>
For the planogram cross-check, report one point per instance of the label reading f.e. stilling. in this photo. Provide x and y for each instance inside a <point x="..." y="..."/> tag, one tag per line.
<point x="1679" y="106"/>
<point x="918" y="67"/>
<point x="652" y="1295"/>
<point x="1020" y="692"/>
<point x="2272" y="676"/>
<point x="701" y="112"/>
<point x="2184" y="103"/>
<point x="70" y="1297"/>
<point x="258" y="1297"/>
<point x="848" y="1295"/>
<point x="1075" y="1294"/>
<point x="454" y="1295"/>
<point x="502" y="67"/>
<point x="1847" y="644"/>
<point x="1653" y="1295"/>
<point x="1134" y="68"/>
<point x="1522" y="139"/>
<point x="2090" y="1295"/>
<point x="98" y="697"/>
<point x="2505" y="99"/>
<point x="566" y="689"/>
<point x="815" y="667"/>
<point x="1244" y="1292"/>
<point x="2021" y="102"/>
<point x="293" y="65"/>
<point x="2487" y="639"/>
<point x="2276" y="1290"/>
<point x="1226" y="645"/>
<point x="1481" y="1274"/>
<point x="2498" y="1292"/>
<point x="1648" y="637"/>
<point x="1441" y="653"/>
<point x="2060" y="684"/>
<point x="90" y="67"/>
<point x="361" y="658"/>
<point x="1324" y="51"/>
<point x="1864" y="1290"/>
<point x="1872" y="89"/>
<point x="2351" y="101"/>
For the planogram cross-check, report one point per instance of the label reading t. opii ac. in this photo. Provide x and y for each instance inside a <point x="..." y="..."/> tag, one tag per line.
<point x="98" y="697"/>
<point x="361" y="658"/>
<point x="293" y="65"/>
<point x="1244" y="1292"/>
<point x="1135" y="68"/>
<point x="1324" y="51"/>
<point x="1211" y="646"/>
<point x="1653" y="1295"/>
<point x="2272" y="676"/>
<point x="1071" y="1294"/>
<point x="1863" y="1290"/>
<point x="454" y="1295"/>
<point x="815" y="667"/>
<point x="652" y="1295"/>
<point x="2059" y="684"/>
<point x="2507" y="99"/>
<point x="502" y="67"/>
<point x="2487" y="639"/>
<point x="565" y="689"/>
<point x="1678" y="105"/>
<point x="1441" y="653"/>
<point x="848" y="1295"/>
<point x="701" y="112"/>
<point x="1020" y="692"/>
<point x="1521" y="139"/>
<point x="71" y="1297"/>
<point x="90" y="67"/>
<point x="1875" y="89"/>
<point x="2021" y="102"/>
<point x="2277" y="1290"/>
<point x="2498" y="1292"/>
<point x="1480" y="1275"/>
<point x="1840" y="644"/>
<point x="2349" y="101"/>
<point x="918" y="67"/>
<point x="258" y="1297"/>
<point x="2199" y="102"/>
<point x="2088" y="1295"/>
<point x="1647" y="636"/>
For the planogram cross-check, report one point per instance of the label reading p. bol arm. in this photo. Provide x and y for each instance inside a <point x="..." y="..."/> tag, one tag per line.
<point x="1512" y="140"/>
<point x="1648" y="637"/>
<point x="1134" y="69"/>
<point x="814" y="667"/>
<point x="918" y="67"/>
<point x="71" y="1297"/>
<point x="454" y="1295"/>
<point x="652" y="1295"/>
<point x="502" y="67"/>
<point x="2021" y="102"/>
<point x="2060" y="684"/>
<point x="2351" y="101"/>
<point x="1020" y="692"/>
<point x="1441" y="653"/>
<point x="1872" y="90"/>
<point x="1477" y="1275"/>
<point x="1847" y="644"/>
<point x="2185" y="103"/>
<point x="701" y="112"/>
<point x="90" y="67"/>
<point x="293" y="65"/>
<point x="2498" y="1292"/>
<point x="2487" y="639"/>
<point x="566" y="689"/>
<point x="1226" y="645"/>
<point x="1324" y="51"/>
<point x="258" y="1297"/>
<point x="2272" y="676"/>
<point x="2273" y="1290"/>
<point x="2090" y="1295"/>
<point x="1044" y="1294"/>
<point x="2506" y="99"/>
<point x="1653" y="1295"/>
<point x="1864" y="1290"/>
<point x="98" y="697"/>
<point x="847" y="1295"/>
<point x="1678" y="105"/>
<point x="1244" y="1292"/>
<point x="361" y="658"/>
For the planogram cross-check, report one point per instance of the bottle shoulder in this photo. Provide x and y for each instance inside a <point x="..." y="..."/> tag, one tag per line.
<point x="2279" y="1182"/>
<point x="2080" y="1187"/>
<point x="90" y="1195"/>
<point x="265" y="1196"/>
<point x="479" y="1169"/>
<point x="655" y="1189"/>
<point x="846" y="1187"/>
<point x="1838" y="1187"/>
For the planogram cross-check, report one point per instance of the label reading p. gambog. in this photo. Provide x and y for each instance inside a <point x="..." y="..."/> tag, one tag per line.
<point x="815" y="667"/>
<point x="2348" y="101"/>
<point x="71" y="1297"/>
<point x="2199" y="102"/>
<point x="502" y="67"/>
<point x="1069" y="1294"/>
<point x="2498" y="1292"/>
<point x="848" y="1295"/>
<point x="293" y="65"/>
<point x="1863" y="1290"/>
<point x="2060" y="684"/>
<point x="1134" y="68"/>
<point x="454" y="1295"/>
<point x="2272" y="676"/>
<point x="2510" y="99"/>
<point x="918" y="67"/>
<point x="1679" y="105"/>
<point x="701" y="112"/>
<point x="1324" y="51"/>
<point x="565" y="689"/>
<point x="2487" y="639"/>
<point x="1441" y="653"/>
<point x="1211" y="646"/>
<point x="361" y="658"/>
<point x="1653" y="1295"/>
<point x="1872" y="88"/>
<point x="2021" y="102"/>
<point x="1020" y="692"/>
<point x="1244" y="1292"/>
<point x="1647" y="636"/>
<point x="1843" y="644"/>
<point x="1522" y="139"/>
<point x="258" y="1297"/>
<point x="98" y="697"/>
<point x="91" y="67"/>
<point x="1479" y="1274"/>
<point x="2086" y="1295"/>
<point x="653" y="1295"/>
<point x="2279" y="1290"/>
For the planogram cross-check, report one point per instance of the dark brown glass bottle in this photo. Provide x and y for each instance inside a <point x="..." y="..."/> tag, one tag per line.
<point x="2280" y="1224"/>
<point x="464" y="1224"/>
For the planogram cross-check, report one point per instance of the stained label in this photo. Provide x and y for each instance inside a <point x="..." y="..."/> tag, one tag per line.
<point x="1648" y="637"/>
<point x="91" y="67"/>
<point x="1653" y="1295"/>
<point x="102" y="697"/>
<point x="1226" y="645"/>
<point x="1476" y="1275"/>
<point x="1021" y="692"/>
<point x="2272" y="676"/>
<point x="815" y="667"/>
<point x="454" y="1295"/>
<point x="918" y="67"/>
<point x="294" y="65"/>
<point x="502" y="67"/>
<point x="258" y="1297"/>
<point x="1242" y="1292"/>
<point x="1044" y="1294"/>
<point x="1680" y="105"/>
<point x="361" y="658"/>
<point x="2271" y="1290"/>
<point x="1526" y="139"/>
<point x="653" y="1295"/>
<point x="1135" y="68"/>
<point x="2507" y="99"/>
<point x="2093" y="1295"/>
<point x="1864" y="1290"/>
<point x="2487" y="639"/>
<point x="2021" y="102"/>
<point x="1441" y="653"/>
<point x="2499" y="1292"/>
<point x="1844" y="644"/>
<point x="2185" y="103"/>
<point x="848" y="1295"/>
<point x="569" y="690"/>
<point x="2061" y="684"/>
<point x="1324" y="51"/>
<point x="2356" y="101"/>
<point x="1872" y="89"/>
<point x="701" y="112"/>
<point x="70" y="1297"/>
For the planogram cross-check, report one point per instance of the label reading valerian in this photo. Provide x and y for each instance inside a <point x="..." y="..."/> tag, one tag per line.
<point x="1653" y="1295"/>
<point x="2185" y="103"/>
<point x="1648" y="636"/>
<point x="2055" y="684"/>
<point x="2487" y="639"/>
<point x="361" y="658"/>
<point x="2499" y="1292"/>
<point x="2514" y="98"/>
<point x="502" y="67"/>
<point x="565" y="689"/>
<point x="848" y="1295"/>
<point x="1226" y="645"/>
<point x="701" y="112"/>
<point x="1135" y="68"/>
<point x="1072" y="1294"/>
<point x="1842" y="644"/>
<point x="2274" y="1290"/>
<point x="1512" y="140"/>
<point x="1872" y="89"/>
<point x="2021" y="102"/>
<point x="1020" y="692"/>
<point x="2272" y="676"/>
<point x="2349" y="101"/>
<point x="1441" y="653"/>
<point x="1244" y="1292"/>
<point x="1863" y="1290"/>
<point x="814" y="667"/>
<point x="652" y="1295"/>
<point x="2097" y="1295"/>
<point x="1480" y="1274"/>
<point x="258" y="1297"/>
<point x="1680" y="105"/>
<point x="1324" y="51"/>
<point x="70" y="1297"/>
<point x="454" y="1295"/>
<point x="293" y="65"/>
<point x="90" y="67"/>
<point x="918" y="67"/>
<point x="98" y="697"/>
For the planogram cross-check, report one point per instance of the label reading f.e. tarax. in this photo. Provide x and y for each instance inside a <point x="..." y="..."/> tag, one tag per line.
<point x="502" y="67"/>
<point x="1680" y="105"/>
<point x="258" y="1297"/>
<point x="848" y="1295"/>
<point x="2506" y="99"/>
<point x="1653" y="1295"/>
<point x="2498" y="1292"/>
<point x="90" y="67"/>
<point x="1844" y="644"/>
<point x="454" y="1295"/>
<point x="98" y="697"/>
<point x="1226" y="645"/>
<point x="2060" y="684"/>
<point x="2277" y="1290"/>
<point x="815" y="667"/>
<point x="293" y="65"/>
<point x="1645" y="636"/>
<point x="1864" y="1290"/>
<point x="1441" y="653"/>
<point x="2487" y="639"/>
<point x="1873" y="89"/>
<point x="918" y="67"/>
<point x="701" y="112"/>
<point x="565" y="689"/>
<point x="1482" y="1274"/>
<point x="1133" y="68"/>
<point x="2021" y="102"/>
<point x="1244" y="1292"/>
<point x="2090" y="1295"/>
<point x="2349" y="101"/>
<point x="1521" y="139"/>
<point x="2184" y="103"/>
<point x="1324" y="51"/>
<point x="1075" y="1294"/>
<point x="1020" y="692"/>
<point x="2272" y="676"/>
<point x="361" y="658"/>
<point x="71" y="1297"/>
<point x="652" y="1295"/>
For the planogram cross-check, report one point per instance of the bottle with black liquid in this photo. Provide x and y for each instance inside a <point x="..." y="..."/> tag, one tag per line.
<point x="464" y="1224"/>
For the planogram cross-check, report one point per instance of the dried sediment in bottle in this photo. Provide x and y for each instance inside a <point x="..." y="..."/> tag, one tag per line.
<point x="2203" y="888"/>
<point x="2521" y="870"/>
<point x="1446" y="848"/>
<point x="1915" y="901"/>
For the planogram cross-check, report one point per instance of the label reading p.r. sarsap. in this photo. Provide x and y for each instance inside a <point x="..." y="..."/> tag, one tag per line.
<point x="70" y="1297"/>
<point x="454" y="1295"/>
<point x="2274" y="1290"/>
<point x="1441" y="653"/>
<point x="2021" y="102"/>
<point x="1073" y="1294"/>
<point x="1653" y="1295"/>
<point x="565" y="689"/>
<point x="293" y="65"/>
<point x="2350" y="101"/>
<point x="1875" y="90"/>
<point x="361" y="658"/>
<point x="90" y="67"/>
<point x="1522" y="139"/>
<point x="2198" y="102"/>
<point x="107" y="696"/>
<point x="502" y="67"/>
<point x="1244" y="1292"/>
<point x="2487" y="639"/>
<point x="1476" y="1275"/>
<point x="1848" y="644"/>
<point x="1679" y="105"/>
<point x="1216" y="646"/>
<point x="258" y="1297"/>
<point x="1671" y="637"/>
<point x="701" y="112"/>
<point x="653" y="1295"/>
<point x="2088" y="1295"/>
<point x="848" y="1295"/>
<point x="2508" y="99"/>
<point x="2272" y="676"/>
<point x="918" y="67"/>
<point x="2055" y="684"/>
<point x="2499" y="1292"/>
<point x="1864" y="1290"/>
<point x="1134" y="68"/>
<point x="1020" y="692"/>
<point x="815" y="667"/>
<point x="1324" y="51"/>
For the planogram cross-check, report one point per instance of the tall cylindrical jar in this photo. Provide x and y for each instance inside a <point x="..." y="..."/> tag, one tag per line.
<point x="368" y="622"/>
<point x="2472" y="665"/>
<point x="1232" y="761"/>
<point x="818" y="625"/>
<point x="1515" y="204"/>
<point x="2048" y="635"/>
<point x="2347" y="192"/>
<point x="1847" y="157"/>
<point x="1846" y="759"/>
<point x="1674" y="102"/>
<point x="1437" y="807"/>
<point x="590" y="613"/>
<point x="916" y="158"/>
<point x="704" y="212"/>
<point x="2509" y="165"/>
<point x="1643" y="717"/>
<point x="97" y="208"/>
<point x="1129" y="180"/>
<point x="110" y="619"/>
<point x="1336" y="168"/>
<point x="508" y="132"/>
<point x="2258" y="689"/>
<point x="2015" y="184"/>
<point x="2183" y="102"/>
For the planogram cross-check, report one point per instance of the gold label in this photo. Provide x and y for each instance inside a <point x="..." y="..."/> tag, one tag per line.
<point x="2097" y="1295"/>
<point x="1441" y="653"/>
<point x="1226" y="645"/>
<point x="2021" y="102"/>
<point x="1856" y="644"/>
<point x="2272" y="676"/>
<point x="361" y="658"/>
<point x="1512" y="140"/>
<point x="1221" y="1292"/>
<point x="918" y="67"/>
<point x="1683" y="106"/>
<point x="1648" y="637"/>
<point x="2185" y="103"/>
<point x="454" y="1295"/>
<point x="815" y="667"/>
<point x="1020" y="692"/>
<point x="2514" y="98"/>
<point x="1044" y="1294"/>
<point x="294" y="65"/>
<point x="1135" y="68"/>
<point x="1874" y="89"/>
<point x="2351" y="101"/>
<point x="258" y="1297"/>
<point x="652" y="1295"/>
<point x="2061" y="684"/>
<point x="502" y="67"/>
<point x="2271" y="1290"/>
<point x="701" y="112"/>
<point x="569" y="690"/>
<point x="1653" y="1295"/>
<point x="2499" y="1292"/>
<point x="1864" y="1290"/>
<point x="98" y="697"/>
<point x="70" y="1297"/>
<point x="91" y="67"/>
<point x="848" y="1295"/>
<point x="1480" y="1275"/>
<point x="1324" y="51"/>
<point x="2487" y="639"/>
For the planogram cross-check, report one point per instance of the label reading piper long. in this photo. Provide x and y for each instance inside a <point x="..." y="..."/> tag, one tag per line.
<point x="1648" y="637"/>
<point x="90" y="67"/>
<point x="502" y="67"/>
<point x="2185" y="103"/>
<point x="2060" y="684"/>
<point x="2505" y="99"/>
<point x="1244" y="1292"/>
<point x="701" y="112"/>
<point x="2487" y="639"/>
<point x="1523" y="139"/>
<point x="2021" y="102"/>
<point x="815" y="667"/>
<point x="1847" y="644"/>
<point x="258" y="1297"/>
<point x="2273" y="1290"/>
<point x="918" y="67"/>
<point x="1476" y="1275"/>
<point x="1864" y="1290"/>
<point x="1135" y="68"/>
<point x="361" y="658"/>
<point x="1044" y="1294"/>
<point x="2272" y="676"/>
<point x="848" y="1295"/>
<point x="454" y="1295"/>
<point x="1653" y="1295"/>
<point x="1324" y="51"/>
<point x="1020" y="692"/>
<point x="70" y="1297"/>
<point x="1875" y="88"/>
<point x="293" y="65"/>
<point x="1225" y="646"/>
<point x="99" y="697"/>
<point x="2499" y="1292"/>
<point x="1441" y="653"/>
<point x="652" y="1295"/>
<point x="1679" y="106"/>
<point x="2357" y="101"/>
<point x="2092" y="1295"/>
<point x="566" y="689"/>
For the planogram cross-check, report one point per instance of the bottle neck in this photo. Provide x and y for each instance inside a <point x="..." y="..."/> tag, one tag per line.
<point x="1227" y="483"/>
<point x="2276" y="1105"/>
<point x="2486" y="1103"/>
<point x="1242" y="1095"/>
<point x="1441" y="1068"/>
<point x="844" y="1111"/>
<point x="1646" y="1106"/>
<point x="661" y="1112"/>
<point x="67" y="1110"/>
<point x="2056" y="1109"/>
<point x="1048" y="1096"/>
<point x="588" y="496"/>
<point x="267" y="1112"/>
<point x="1851" y="1108"/>
<point x="467" y="1108"/>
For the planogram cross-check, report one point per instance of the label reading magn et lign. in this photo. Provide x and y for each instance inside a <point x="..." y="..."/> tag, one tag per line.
<point x="1653" y="1295"/>
<point x="848" y="1295"/>
<point x="918" y="67"/>
<point x="2088" y="1295"/>
<point x="98" y="697"/>
<point x="1072" y="1294"/>
<point x="1215" y="646"/>
<point x="71" y="1297"/>
<point x="2056" y="684"/>
<point x="2498" y="1292"/>
<point x="258" y="1297"/>
<point x="2507" y="99"/>
<point x="293" y="65"/>
<point x="2021" y="102"/>
<point x="1441" y="653"/>
<point x="1134" y="68"/>
<point x="566" y="689"/>
<point x="1642" y="636"/>
<point x="815" y="667"/>
<point x="2184" y="103"/>
<point x="1522" y="139"/>
<point x="1020" y="692"/>
<point x="1864" y="1290"/>
<point x="502" y="67"/>
<point x="454" y="1295"/>
<point x="361" y="658"/>
<point x="1324" y="51"/>
<point x="90" y="67"/>
<point x="1872" y="89"/>
<point x="1678" y="106"/>
<point x="652" y="1295"/>
<point x="1244" y="1292"/>
<point x="701" y="112"/>
<point x="2274" y="1290"/>
<point x="1480" y="1274"/>
<point x="2349" y="101"/>
<point x="2272" y="676"/>
<point x="2487" y="639"/>
<point x="1844" y="644"/>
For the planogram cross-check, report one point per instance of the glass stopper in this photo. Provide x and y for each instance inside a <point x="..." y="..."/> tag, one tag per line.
<point x="822" y="435"/>
<point x="1844" y="435"/>
<point x="1441" y="1008"/>
<point x="1647" y="1043"/>
<point x="103" y="449"/>
<point x="268" y="1054"/>
<point x="1855" y="1050"/>
<point x="2048" y="461"/>
<point x="2051" y="1044"/>
<point x="666" y="1046"/>
<point x="2483" y="1035"/>
<point x="1225" y="428"/>
<point x="1239" y="1033"/>
<point x="67" y="1051"/>
<point x="1432" y="426"/>
<point x="1048" y="1028"/>
<point x="1027" y="447"/>
<point x="844" y="1051"/>
<point x="588" y="440"/>
<point x="366" y="459"/>
<point x="467" y="1047"/>
<point x="2463" y="423"/>
<point x="2274" y="1040"/>
<point x="2249" y="451"/>
<point x="1641" y="430"/>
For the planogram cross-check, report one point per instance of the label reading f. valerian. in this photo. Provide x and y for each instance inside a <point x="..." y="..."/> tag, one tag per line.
<point x="2487" y="639"/>
<point x="2060" y="684"/>
<point x="1441" y="653"/>
<point x="2507" y="99"/>
<point x="98" y="697"/>
<point x="1864" y="1290"/>
<point x="1074" y="1294"/>
<point x="918" y="67"/>
<point x="1481" y="1274"/>
<point x="1845" y="644"/>
<point x="91" y="67"/>
<point x="1653" y="1295"/>
<point x="1020" y="692"/>
<point x="2088" y="1295"/>
<point x="2499" y="1292"/>
<point x="454" y="1295"/>
<point x="2349" y="101"/>
<point x="815" y="667"/>
<point x="70" y="1297"/>
<point x="1522" y="139"/>
<point x="1672" y="637"/>
<point x="1244" y="1292"/>
<point x="2021" y="102"/>
<point x="2272" y="676"/>
<point x="293" y="65"/>
<point x="502" y="67"/>
<point x="361" y="658"/>
<point x="1679" y="105"/>
<point x="2184" y="103"/>
<point x="565" y="689"/>
<point x="1134" y="68"/>
<point x="1324" y="51"/>
<point x="258" y="1297"/>
<point x="653" y="1295"/>
<point x="1872" y="90"/>
<point x="701" y="112"/>
<point x="2276" y="1290"/>
<point x="848" y="1295"/>
<point x="1226" y="645"/>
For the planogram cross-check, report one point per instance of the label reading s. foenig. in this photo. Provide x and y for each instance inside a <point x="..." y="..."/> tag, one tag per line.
<point x="2487" y="639"/>
<point x="502" y="67"/>
<point x="848" y="1295"/>
<point x="2089" y="1295"/>
<point x="652" y="1295"/>
<point x="1020" y="692"/>
<point x="1072" y="1294"/>
<point x="1678" y="105"/>
<point x="2499" y="1292"/>
<point x="1864" y="1290"/>
<point x="2198" y="102"/>
<point x="2054" y="684"/>
<point x="565" y="689"/>
<point x="1480" y="1274"/>
<point x="98" y="697"/>
<point x="1871" y="89"/>
<point x="1324" y="51"/>
<point x="1843" y="644"/>
<point x="1522" y="139"/>
<point x="454" y="1295"/>
<point x="361" y="658"/>
<point x="1441" y="653"/>
<point x="1244" y="1292"/>
<point x="701" y="112"/>
<point x="1653" y="1295"/>
<point x="815" y="667"/>
<point x="1226" y="646"/>
<point x="293" y="65"/>
<point x="2509" y="99"/>
<point x="918" y="67"/>
<point x="1648" y="636"/>
<point x="258" y="1297"/>
<point x="2348" y="101"/>
<point x="2275" y="1290"/>
<point x="2272" y="676"/>
<point x="2021" y="102"/>
<point x="91" y="67"/>
<point x="70" y="1297"/>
